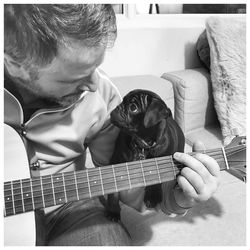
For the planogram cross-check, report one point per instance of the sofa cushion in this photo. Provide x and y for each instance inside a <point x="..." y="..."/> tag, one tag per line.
<point x="227" y="41"/>
<point x="194" y="107"/>
<point x="203" y="49"/>
<point x="149" y="82"/>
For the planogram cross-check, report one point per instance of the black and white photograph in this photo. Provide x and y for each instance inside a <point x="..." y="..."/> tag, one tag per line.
<point x="124" y="123"/>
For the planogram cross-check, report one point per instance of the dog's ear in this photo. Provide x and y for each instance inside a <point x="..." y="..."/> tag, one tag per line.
<point x="155" y="112"/>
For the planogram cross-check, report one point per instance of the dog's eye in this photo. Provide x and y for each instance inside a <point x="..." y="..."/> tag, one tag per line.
<point x="133" y="108"/>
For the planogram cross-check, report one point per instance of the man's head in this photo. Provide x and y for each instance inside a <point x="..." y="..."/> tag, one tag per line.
<point x="60" y="45"/>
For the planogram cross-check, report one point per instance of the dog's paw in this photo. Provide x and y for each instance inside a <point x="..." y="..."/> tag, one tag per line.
<point x="113" y="216"/>
<point x="151" y="203"/>
<point x="153" y="196"/>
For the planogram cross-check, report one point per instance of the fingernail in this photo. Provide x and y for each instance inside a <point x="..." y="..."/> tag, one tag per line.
<point x="177" y="155"/>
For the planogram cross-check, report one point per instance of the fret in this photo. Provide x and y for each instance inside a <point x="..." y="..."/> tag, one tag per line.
<point x="9" y="199"/>
<point x="116" y="189"/>
<point x="143" y="174"/>
<point x="135" y="173"/>
<point x="158" y="172"/>
<point x="151" y="174"/>
<point x="100" y="172"/>
<point x="83" y="185"/>
<point x="95" y="182"/>
<point x="27" y="195"/>
<point x="57" y="180"/>
<point x="48" y="191"/>
<point x="173" y="167"/>
<point x="128" y="176"/>
<point x="41" y="184"/>
<point x="32" y="195"/>
<point x="121" y="177"/>
<point x="77" y="193"/>
<point x="21" y="189"/>
<point x="17" y="194"/>
<point x="108" y="180"/>
<point x="70" y="186"/>
<point x="37" y="192"/>
<point x="166" y="168"/>
<point x="53" y="189"/>
<point x="90" y="194"/>
<point x="64" y="188"/>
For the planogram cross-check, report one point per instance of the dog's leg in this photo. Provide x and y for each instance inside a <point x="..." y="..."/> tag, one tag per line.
<point x="113" y="207"/>
<point x="153" y="196"/>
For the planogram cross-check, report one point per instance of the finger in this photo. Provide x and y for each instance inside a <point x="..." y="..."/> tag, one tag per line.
<point x="194" y="179"/>
<point x="210" y="163"/>
<point x="198" y="146"/>
<point x="193" y="163"/>
<point x="186" y="187"/>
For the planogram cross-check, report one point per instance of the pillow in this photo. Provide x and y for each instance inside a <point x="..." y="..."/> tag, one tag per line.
<point x="227" y="42"/>
<point x="203" y="49"/>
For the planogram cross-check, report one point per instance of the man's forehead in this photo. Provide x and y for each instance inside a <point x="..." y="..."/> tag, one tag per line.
<point x="79" y="54"/>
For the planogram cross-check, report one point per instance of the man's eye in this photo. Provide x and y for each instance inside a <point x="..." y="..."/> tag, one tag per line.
<point x="133" y="108"/>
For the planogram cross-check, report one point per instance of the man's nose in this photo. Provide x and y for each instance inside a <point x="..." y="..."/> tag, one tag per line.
<point x="91" y="83"/>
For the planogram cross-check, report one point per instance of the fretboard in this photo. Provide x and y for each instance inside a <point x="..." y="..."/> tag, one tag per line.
<point x="50" y="190"/>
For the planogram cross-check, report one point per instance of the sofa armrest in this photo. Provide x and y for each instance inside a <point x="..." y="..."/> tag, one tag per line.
<point x="194" y="106"/>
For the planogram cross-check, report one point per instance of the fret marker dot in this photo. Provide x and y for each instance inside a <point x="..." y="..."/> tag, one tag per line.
<point x="60" y="199"/>
<point x="57" y="178"/>
<point x="8" y="199"/>
<point x="95" y="182"/>
<point x="121" y="177"/>
<point x="27" y="195"/>
<point x="150" y="172"/>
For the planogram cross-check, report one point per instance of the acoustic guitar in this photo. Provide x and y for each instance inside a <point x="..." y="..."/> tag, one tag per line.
<point x="23" y="195"/>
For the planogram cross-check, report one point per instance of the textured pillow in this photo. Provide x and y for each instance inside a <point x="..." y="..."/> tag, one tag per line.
<point x="203" y="49"/>
<point x="227" y="42"/>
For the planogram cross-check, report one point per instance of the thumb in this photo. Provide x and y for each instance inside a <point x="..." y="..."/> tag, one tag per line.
<point x="198" y="146"/>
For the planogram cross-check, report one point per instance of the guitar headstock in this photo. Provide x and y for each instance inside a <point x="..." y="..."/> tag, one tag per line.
<point x="236" y="157"/>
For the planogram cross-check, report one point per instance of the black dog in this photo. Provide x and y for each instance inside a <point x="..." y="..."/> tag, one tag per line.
<point x="148" y="130"/>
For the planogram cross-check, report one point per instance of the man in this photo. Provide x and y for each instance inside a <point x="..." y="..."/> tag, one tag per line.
<point x="60" y="102"/>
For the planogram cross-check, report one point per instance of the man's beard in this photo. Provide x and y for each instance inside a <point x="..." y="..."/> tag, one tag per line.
<point x="49" y="101"/>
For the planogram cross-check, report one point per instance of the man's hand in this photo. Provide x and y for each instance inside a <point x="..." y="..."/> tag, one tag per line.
<point x="198" y="180"/>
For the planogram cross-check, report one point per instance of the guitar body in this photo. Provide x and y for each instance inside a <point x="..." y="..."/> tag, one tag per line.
<point x="19" y="229"/>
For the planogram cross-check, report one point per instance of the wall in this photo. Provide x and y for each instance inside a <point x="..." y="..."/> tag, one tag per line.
<point x="144" y="47"/>
<point x="155" y="44"/>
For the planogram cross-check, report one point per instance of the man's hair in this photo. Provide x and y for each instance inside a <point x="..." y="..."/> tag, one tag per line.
<point x="33" y="32"/>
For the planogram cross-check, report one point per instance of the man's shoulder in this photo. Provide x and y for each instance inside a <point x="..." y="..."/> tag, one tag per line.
<point x="106" y="87"/>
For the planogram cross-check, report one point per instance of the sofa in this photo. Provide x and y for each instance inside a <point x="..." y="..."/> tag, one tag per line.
<point x="220" y="221"/>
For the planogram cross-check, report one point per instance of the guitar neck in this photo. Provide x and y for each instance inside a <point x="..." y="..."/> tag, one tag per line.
<point x="50" y="190"/>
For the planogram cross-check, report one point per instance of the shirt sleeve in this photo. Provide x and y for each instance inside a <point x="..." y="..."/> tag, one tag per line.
<point x="102" y="144"/>
<point x="169" y="205"/>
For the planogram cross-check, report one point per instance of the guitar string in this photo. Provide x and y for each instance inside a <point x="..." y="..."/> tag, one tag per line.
<point x="93" y="176"/>
<point x="92" y="186"/>
<point x="53" y="203"/>
<point x="133" y="177"/>
<point x="130" y="164"/>
<point x="41" y="204"/>
<point x="103" y="169"/>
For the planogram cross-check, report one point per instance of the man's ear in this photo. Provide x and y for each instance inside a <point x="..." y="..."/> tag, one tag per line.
<point x="14" y="68"/>
<point x="156" y="111"/>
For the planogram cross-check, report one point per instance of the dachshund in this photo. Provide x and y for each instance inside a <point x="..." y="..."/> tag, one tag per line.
<point x="147" y="130"/>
